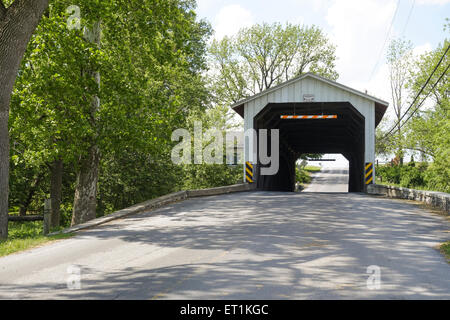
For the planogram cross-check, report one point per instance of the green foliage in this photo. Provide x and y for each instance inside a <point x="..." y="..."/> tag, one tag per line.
<point x="411" y="177"/>
<point x="21" y="230"/>
<point x="303" y="171"/>
<point x="418" y="176"/>
<point x="197" y="176"/>
<point x="312" y="169"/>
<point x="48" y="109"/>
<point x="384" y="145"/>
<point x="264" y="55"/>
<point x="437" y="177"/>
<point x="302" y="176"/>
<point x="400" y="61"/>
<point x="445" y="249"/>
<point x="23" y="179"/>
<point x="128" y="178"/>
<point x="389" y="174"/>
<point x="25" y="235"/>
<point x="211" y="175"/>
<point x="151" y="62"/>
<point x="427" y="133"/>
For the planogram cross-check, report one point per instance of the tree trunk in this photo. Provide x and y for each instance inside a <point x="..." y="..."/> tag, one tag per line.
<point x="23" y="211"/>
<point x="400" y="149"/>
<point x="55" y="191"/>
<point x="24" y="207"/>
<point x="85" y="200"/>
<point x="17" y="24"/>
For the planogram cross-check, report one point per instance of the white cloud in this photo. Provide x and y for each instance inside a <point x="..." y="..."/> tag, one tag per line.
<point x="419" y="50"/>
<point x="319" y="5"/>
<point x="231" y="19"/>
<point x="433" y="2"/>
<point x="316" y="5"/>
<point x="379" y="85"/>
<point x="203" y="6"/>
<point x="297" y="20"/>
<point x="359" y="29"/>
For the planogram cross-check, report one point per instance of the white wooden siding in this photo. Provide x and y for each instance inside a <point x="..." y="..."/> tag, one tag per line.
<point x="323" y="92"/>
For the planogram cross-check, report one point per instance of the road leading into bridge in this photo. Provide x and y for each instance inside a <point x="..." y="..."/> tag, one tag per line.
<point x="329" y="180"/>
<point x="254" y="245"/>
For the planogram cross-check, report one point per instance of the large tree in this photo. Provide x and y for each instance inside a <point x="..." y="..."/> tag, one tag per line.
<point x="151" y="79"/>
<point x="428" y="131"/>
<point x="400" y="61"/>
<point x="85" y="199"/>
<point x="55" y="101"/>
<point x="18" y="20"/>
<point x="265" y="55"/>
<point x="151" y="60"/>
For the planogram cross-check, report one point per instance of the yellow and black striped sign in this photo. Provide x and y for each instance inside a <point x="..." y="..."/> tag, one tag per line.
<point x="248" y="172"/>
<point x="369" y="173"/>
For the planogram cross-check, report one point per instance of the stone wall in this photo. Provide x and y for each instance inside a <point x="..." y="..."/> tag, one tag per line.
<point x="439" y="200"/>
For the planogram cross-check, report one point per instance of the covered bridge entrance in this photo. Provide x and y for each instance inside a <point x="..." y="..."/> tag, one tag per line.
<point x="314" y="115"/>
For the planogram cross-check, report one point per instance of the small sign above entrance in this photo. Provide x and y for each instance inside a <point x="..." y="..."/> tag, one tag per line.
<point x="308" y="97"/>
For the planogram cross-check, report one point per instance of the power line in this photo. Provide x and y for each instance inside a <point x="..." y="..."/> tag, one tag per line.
<point x="428" y="80"/>
<point x="418" y="95"/>
<point x="409" y="17"/>
<point x="416" y="109"/>
<point x="434" y="86"/>
<point x="385" y="40"/>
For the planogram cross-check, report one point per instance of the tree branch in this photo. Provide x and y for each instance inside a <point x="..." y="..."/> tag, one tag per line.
<point x="429" y="153"/>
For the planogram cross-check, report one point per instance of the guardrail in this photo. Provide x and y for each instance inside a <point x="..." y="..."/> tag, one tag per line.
<point x="25" y="218"/>
<point x="439" y="200"/>
<point x="157" y="203"/>
<point x="220" y="190"/>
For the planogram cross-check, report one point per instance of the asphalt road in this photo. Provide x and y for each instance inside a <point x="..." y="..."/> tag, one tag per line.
<point x="254" y="245"/>
<point x="329" y="180"/>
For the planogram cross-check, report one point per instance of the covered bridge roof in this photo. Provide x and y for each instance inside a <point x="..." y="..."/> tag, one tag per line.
<point x="380" y="105"/>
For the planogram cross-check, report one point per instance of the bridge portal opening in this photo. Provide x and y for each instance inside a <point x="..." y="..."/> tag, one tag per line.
<point x="342" y="135"/>
<point x="333" y="176"/>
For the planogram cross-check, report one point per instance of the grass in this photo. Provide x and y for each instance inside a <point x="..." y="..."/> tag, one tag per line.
<point x="445" y="249"/>
<point x="26" y="235"/>
<point x="313" y="168"/>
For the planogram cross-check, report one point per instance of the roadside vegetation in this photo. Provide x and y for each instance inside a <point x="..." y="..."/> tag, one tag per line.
<point x="99" y="91"/>
<point x="420" y="176"/>
<point x="303" y="175"/>
<point x="26" y="235"/>
<point x="312" y="169"/>
<point x="420" y="128"/>
<point x="445" y="249"/>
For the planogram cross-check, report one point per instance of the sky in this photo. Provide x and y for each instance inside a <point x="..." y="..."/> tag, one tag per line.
<point x="360" y="29"/>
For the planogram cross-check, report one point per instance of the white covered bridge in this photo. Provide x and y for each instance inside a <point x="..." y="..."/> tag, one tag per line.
<point x="351" y="132"/>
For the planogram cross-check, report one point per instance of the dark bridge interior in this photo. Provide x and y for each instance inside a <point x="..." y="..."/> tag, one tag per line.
<point x="343" y="135"/>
